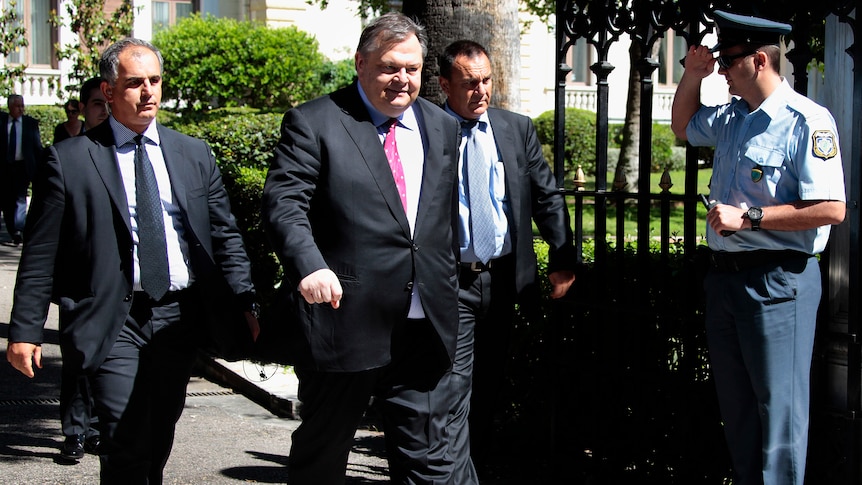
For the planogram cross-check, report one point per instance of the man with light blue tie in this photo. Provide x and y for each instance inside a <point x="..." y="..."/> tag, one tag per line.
<point x="504" y="183"/>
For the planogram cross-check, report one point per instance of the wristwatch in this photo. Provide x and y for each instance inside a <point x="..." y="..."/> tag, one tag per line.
<point x="254" y="309"/>
<point x="755" y="215"/>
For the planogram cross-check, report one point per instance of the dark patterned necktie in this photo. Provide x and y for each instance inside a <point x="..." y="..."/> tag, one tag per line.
<point x="152" y="247"/>
<point x="13" y="142"/>
<point x="479" y="193"/>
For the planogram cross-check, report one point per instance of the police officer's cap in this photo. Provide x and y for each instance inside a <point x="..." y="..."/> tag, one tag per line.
<point x="734" y="29"/>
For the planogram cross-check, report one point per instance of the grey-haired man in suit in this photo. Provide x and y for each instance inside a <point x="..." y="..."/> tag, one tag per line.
<point x="130" y="233"/>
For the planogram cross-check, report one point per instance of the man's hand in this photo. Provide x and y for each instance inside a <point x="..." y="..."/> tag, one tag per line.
<point x="322" y="286"/>
<point x="561" y="281"/>
<point x="22" y="355"/>
<point x="723" y="217"/>
<point x="699" y="62"/>
<point x="253" y="325"/>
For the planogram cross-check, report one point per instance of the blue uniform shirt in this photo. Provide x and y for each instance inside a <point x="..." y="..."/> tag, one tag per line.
<point x="785" y="150"/>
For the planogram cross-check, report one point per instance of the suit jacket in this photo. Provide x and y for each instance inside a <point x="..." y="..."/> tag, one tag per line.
<point x="79" y="240"/>
<point x="330" y="202"/>
<point x="31" y="141"/>
<point x="533" y="195"/>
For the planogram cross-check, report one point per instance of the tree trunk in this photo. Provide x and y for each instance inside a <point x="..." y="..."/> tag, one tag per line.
<point x="627" y="163"/>
<point x="492" y="23"/>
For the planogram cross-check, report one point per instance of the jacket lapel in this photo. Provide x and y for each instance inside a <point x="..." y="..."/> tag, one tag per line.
<point x="359" y="128"/>
<point x="434" y="161"/>
<point x="504" y="137"/>
<point x="172" y="150"/>
<point x="104" y="156"/>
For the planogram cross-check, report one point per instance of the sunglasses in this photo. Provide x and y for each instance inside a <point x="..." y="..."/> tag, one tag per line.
<point x="726" y="61"/>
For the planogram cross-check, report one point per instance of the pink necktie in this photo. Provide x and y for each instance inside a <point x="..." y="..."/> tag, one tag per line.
<point x="391" y="149"/>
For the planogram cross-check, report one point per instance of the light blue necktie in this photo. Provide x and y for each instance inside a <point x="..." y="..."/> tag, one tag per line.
<point x="479" y="194"/>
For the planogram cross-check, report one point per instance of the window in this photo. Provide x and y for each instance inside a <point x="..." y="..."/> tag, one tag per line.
<point x="33" y="14"/>
<point x="169" y="12"/>
<point x="671" y="49"/>
<point x="580" y="58"/>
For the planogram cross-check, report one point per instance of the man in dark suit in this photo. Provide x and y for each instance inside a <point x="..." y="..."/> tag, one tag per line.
<point x="505" y="183"/>
<point x="19" y="153"/>
<point x="128" y="225"/>
<point x="359" y="206"/>
<point x="78" y="421"/>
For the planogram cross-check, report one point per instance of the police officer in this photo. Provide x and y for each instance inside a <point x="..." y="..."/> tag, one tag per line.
<point x="777" y="186"/>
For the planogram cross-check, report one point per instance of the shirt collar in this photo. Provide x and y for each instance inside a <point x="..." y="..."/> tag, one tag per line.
<point x="772" y="104"/>
<point x="775" y="101"/>
<point x="123" y="135"/>
<point x="483" y="118"/>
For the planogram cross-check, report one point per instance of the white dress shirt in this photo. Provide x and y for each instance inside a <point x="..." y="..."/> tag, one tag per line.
<point x="178" y="260"/>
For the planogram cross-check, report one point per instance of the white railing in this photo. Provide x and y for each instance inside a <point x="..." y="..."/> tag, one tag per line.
<point x="586" y="97"/>
<point x="39" y="86"/>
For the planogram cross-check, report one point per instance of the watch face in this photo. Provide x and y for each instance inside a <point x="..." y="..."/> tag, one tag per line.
<point x="755" y="213"/>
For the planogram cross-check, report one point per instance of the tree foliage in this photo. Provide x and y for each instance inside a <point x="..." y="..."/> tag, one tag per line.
<point x="11" y="39"/>
<point x="221" y="62"/>
<point x="95" y="29"/>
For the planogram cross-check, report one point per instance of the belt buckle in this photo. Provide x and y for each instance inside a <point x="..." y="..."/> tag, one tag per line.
<point x="476" y="267"/>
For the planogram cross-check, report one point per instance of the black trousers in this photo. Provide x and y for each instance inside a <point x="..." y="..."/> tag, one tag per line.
<point x="139" y="391"/>
<point x="76" y="404"/>
<point x="486" y="309"/>
<point x="333" y="404"/>
<point x="13" y="195"/>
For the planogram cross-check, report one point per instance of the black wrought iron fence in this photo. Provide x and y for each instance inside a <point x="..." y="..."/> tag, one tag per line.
<point x="625" y="355"/>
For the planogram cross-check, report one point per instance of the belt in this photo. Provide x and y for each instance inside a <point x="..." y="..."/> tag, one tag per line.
<point x="170" y="297"/>
<point x="478" y="267"/>
<point x="734" y="262"/>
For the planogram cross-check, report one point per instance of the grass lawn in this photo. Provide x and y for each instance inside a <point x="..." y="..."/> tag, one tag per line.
<point x="676" y="211"/>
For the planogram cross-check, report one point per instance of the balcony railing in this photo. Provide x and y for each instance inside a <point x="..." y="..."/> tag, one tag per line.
<point x="586" y="97"/>
<point x="39" y="87"/>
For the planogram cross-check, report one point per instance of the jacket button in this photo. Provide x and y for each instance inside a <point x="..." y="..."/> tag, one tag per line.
<point x="408" y="286"/>
<point x="415" y="247"/>
<point x="128" y="298"/>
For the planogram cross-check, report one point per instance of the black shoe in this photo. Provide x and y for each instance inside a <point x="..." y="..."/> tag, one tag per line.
<point x="17" y="239"/>
<point x="91" y="444"/>
<point x="73" y="448"/>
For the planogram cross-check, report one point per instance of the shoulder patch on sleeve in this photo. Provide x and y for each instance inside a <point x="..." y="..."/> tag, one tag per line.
<point x="823" y="144"/>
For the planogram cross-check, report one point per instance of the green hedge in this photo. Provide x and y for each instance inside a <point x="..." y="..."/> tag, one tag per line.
<point x="580" y="146"/>
<point x="663" y="142"/>
<point x="226" y="62"/>
<point x="48" y="117"/>
<point x="243" y="141"/>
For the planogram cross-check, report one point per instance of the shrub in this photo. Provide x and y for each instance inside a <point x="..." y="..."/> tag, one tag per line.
<point x="663" y="142"/>
<point x="243" y="141"/>
<point x="239" y="136"/>
<point x="222" y="62"/>
<point x="48" y="117"/>
<point x="580" y="146"/>
<point x="335" y="75"/>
